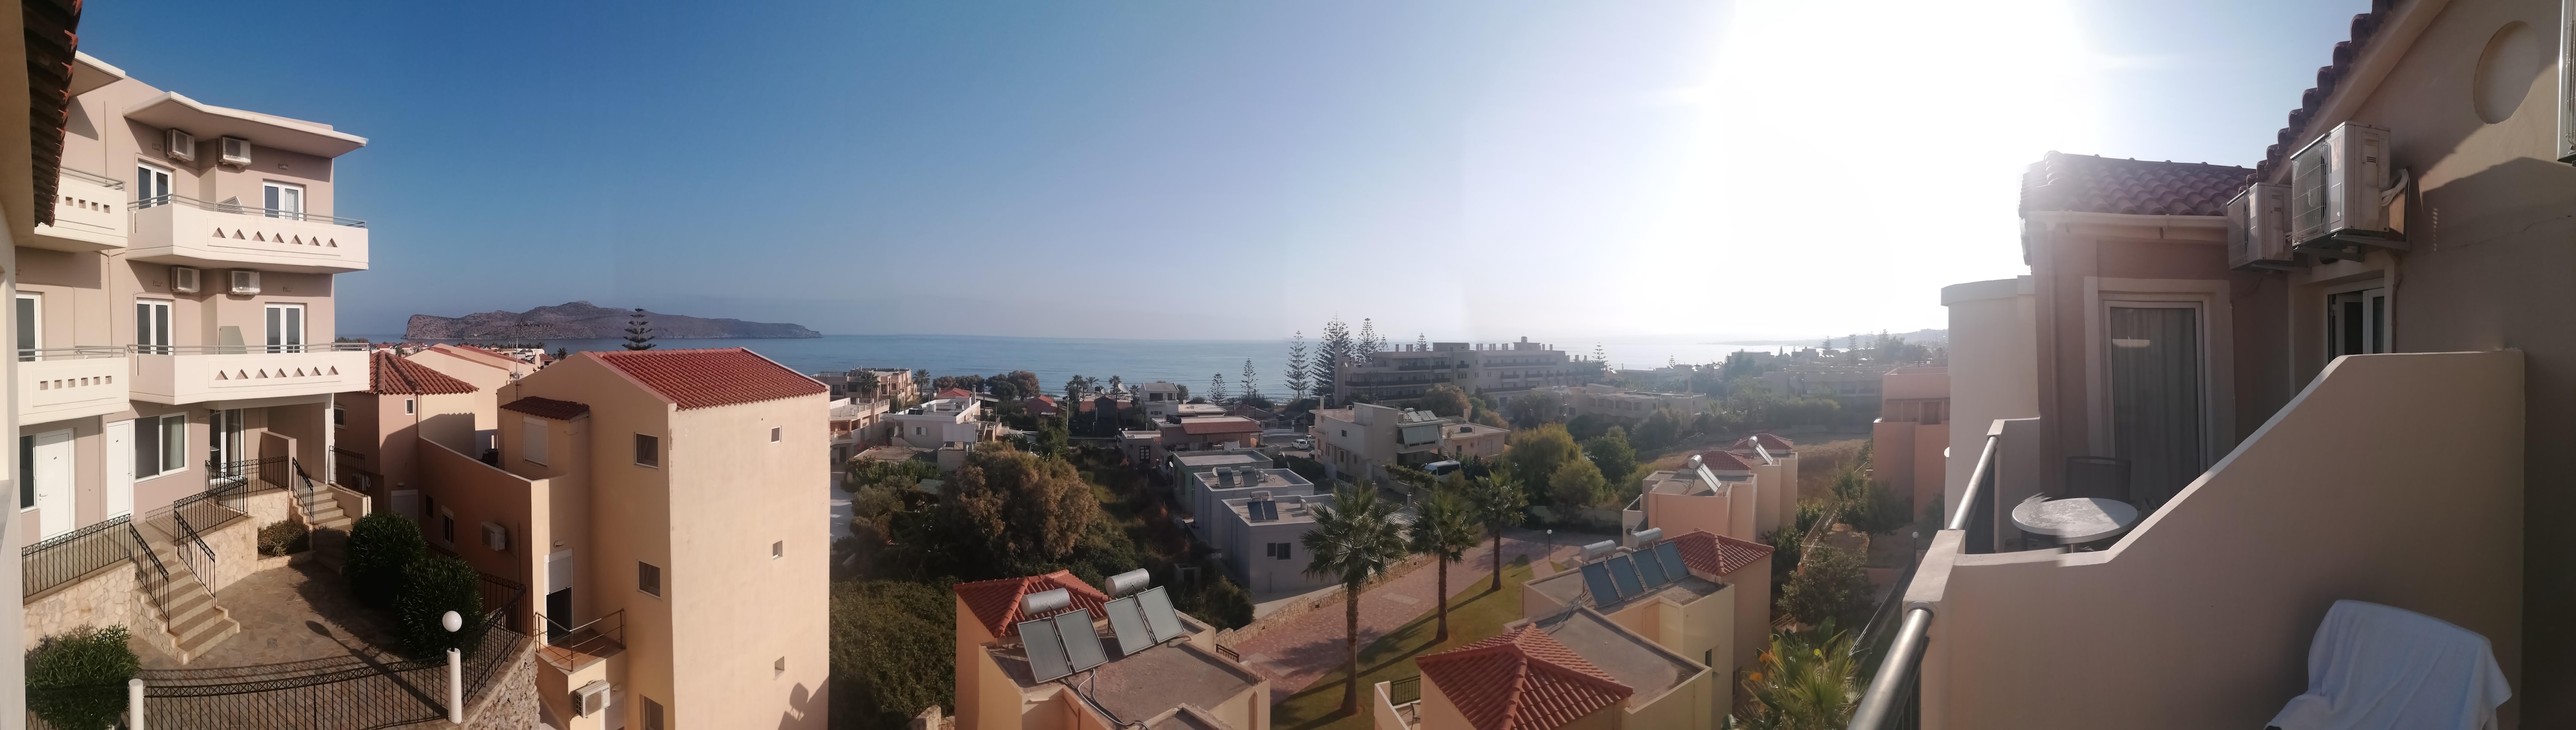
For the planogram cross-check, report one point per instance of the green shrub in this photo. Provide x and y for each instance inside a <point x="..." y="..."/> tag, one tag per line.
<point x="1223" y="603"/>
<point x="284" y="537"/>
<point x="431" y="587"/>
<point x="380" y="546"/>
<point x="76" y="679"/>
<point x="1832" y="584"/>
<point x="892" y="652"/>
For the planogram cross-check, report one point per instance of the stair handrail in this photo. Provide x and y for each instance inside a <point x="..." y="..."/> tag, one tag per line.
<point x="144" y="555"/>
<point x="188" y="536"/>
<point x="306" y="492"/>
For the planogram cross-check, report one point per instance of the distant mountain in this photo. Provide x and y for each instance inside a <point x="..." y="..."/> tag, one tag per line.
<point x="584" y="321"/>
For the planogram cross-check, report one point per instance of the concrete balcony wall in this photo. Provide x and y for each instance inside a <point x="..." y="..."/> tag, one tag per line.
<point x="88" y="216"/>
<point x="194" y="378"/>
<point x="2394" y="479"/>
<point x="58" y="389"/>
<point x="188" y="235"/>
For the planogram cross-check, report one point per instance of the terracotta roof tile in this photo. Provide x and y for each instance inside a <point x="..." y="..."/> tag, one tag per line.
<point x="1521" y="680"/>
<point x="954" y="393"/>
<point x="2364" y="26"/>
<point x="1719" y="460"/>
<point x="2090" y="184"/>
<point x="709" y="378"/>
<point x="390" y="375"/>
<point x="1717" y="554"/>
<point x="560" y="410"/>
<point x="996" y="603"/>
<point x="1202" y="425"/>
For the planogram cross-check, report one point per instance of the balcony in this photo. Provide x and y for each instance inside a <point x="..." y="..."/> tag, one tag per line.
<point x="2394" y="479"/>
<point x="71" y="382"/>
<point x="196" y="374"/>
<point x="189" y="232"/>
<point x="90" y="214"/>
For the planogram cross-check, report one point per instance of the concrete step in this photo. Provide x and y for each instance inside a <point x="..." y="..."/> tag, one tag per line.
<point x="194" y="621"/>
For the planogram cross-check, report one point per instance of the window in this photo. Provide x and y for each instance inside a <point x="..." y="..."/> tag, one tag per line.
<point x="2356" y="323"/>
<point x="778" y="549"/>
<point x="447" y="527"/>
<point x="286" y="328"/>
<point x="152" y="326"/>
<point x="160" y="445"/>
<point x="339" y="416"/>
<point x="648" y="578"/>
<point x="224" y="439"/>
<point x="410" y="406"/>
<point x="652" y="713"/>
<point x="284" y="200"/>
<point x="30" y="326"/>
<point x="648" y="450"/>
<point x="773" y="434"/>
<point x="2153" y="373"/>
<point x="151" y="185"/>
<point x="26" y="473"/>
<point x="1279" y="550"/>
<point x="532" y="440"/>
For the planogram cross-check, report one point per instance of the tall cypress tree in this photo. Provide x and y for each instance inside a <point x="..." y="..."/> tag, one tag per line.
<point x="639" y="331"/>
<point x="1251" y="386"/>
<point x="1297" y="366"/>
<point x="1330" y="355"/>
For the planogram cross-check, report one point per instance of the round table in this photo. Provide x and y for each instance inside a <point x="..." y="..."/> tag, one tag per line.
<point x="2075" y="520"/>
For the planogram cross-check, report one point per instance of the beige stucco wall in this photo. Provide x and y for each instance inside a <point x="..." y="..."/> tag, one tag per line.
<point x="2202" y="615"/>
<point x="1993" y="374"/>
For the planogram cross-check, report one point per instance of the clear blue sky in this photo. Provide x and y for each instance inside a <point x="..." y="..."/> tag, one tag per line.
<point x="1224" y="170"/>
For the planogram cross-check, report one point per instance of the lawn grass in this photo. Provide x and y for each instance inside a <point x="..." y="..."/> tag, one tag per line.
<point x="1477" y="615"/>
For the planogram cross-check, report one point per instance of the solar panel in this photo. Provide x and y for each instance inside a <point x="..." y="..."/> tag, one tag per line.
<point x="1046" y="652"/>
<point x="1269" y="511"/>
<point x="1597" y="580"/>
<point x="1671" y="556"/>
<point x="1159" y="615"/>
<point x="1081" y="644"/>
<point x="1652" y="570"/>
<point x="1623" y="573"/>
<point x="1128" y="622"/>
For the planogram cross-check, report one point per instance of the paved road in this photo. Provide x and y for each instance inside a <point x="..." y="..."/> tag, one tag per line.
<point x="1296" y="653"/>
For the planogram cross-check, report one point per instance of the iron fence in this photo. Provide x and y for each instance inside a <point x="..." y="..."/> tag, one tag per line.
<point x="66" y="557"/>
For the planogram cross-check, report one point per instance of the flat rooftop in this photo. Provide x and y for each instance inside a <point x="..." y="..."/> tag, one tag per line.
<point x="1292" y="510"/>
<point x="1651" y="670"/>
<point x="1688" y="484"/>
<point x="1143" y="685"/>
<point x="1254" y="479"/>
<point x="1567" y="588"/>
<point x="1220" y="458"/>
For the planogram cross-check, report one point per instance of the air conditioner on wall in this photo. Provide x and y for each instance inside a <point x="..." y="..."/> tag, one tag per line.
<point x="591" y="699"/>
<point x="178" y="146"/>
<point x="496" y="537"/>
<point x="245" y="283"/>
<point x="184" y="280"/>
<point x="236" y="151"/>
<point x="2258" y="231"/>
<point x="2337" y="185"/>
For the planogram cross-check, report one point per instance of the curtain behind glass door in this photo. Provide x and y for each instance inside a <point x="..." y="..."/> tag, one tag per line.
<point x="2153" y="365"/>
<point x="152" y="327"/>
<point x="27" y="328"/>
<point x="285" y="328"/>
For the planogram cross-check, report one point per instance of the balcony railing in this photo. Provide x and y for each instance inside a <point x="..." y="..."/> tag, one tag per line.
<point x="569" y="648"/>
<point x="180" y="374"/>
<point x="1894" y="699"/>
<point x="239" y="209"/>
<point x="90" y="214"/>
<point x="71" y="382"/>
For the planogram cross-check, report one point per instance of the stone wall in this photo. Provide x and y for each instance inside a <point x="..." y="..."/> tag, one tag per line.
<point x="106" y="597"/>
<point x="509" y="701"/>
<point x="236" y="546"/>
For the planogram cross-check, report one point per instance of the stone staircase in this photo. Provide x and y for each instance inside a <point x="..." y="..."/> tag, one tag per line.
<point x="329" y="526"/>
<point x="194" y="622"/>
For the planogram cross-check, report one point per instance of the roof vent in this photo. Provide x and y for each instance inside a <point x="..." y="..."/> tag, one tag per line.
<point x="1042" y="602"/>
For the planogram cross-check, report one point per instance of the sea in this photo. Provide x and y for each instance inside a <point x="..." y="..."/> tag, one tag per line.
<point x="1056" y="359"/>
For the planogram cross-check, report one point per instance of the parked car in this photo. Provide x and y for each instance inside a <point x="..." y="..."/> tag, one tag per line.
<point x="1305" y="443"/>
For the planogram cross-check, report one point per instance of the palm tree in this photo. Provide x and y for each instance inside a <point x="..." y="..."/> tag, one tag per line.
<point x="1806" y="680"/>
<point x="1356" y="538"/>
<point x="1444" y="530"/>
<point x="1497" y="501"/>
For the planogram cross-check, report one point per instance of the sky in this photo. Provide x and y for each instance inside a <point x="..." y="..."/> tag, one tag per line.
<point x="1462" y="169"/>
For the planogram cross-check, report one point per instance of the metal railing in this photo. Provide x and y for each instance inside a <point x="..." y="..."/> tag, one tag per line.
<point x="149" y="572"/>
<point x="83" y="352"/>
<point x="239" y="209"/>
<point x="335" y="694"/>
<point x="66" y="557"/>
<point x="597" y="638"/>
<point x="94" y="179"/>
<point x="1894" y="699"/>
<point x="1402" y="691"/>
<point x="307" y="494"/>
<point x="193" y="551"/>
<point x="246" y="349"/>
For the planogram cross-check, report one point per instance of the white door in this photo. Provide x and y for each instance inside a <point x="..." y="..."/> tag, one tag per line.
<point x="285" y="328"/>
<point x="51" y="465"/>
<point x="120" y="472"/>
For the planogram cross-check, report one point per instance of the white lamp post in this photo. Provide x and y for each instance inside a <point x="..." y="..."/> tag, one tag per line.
<point x="455" y="671"/>
<point x="134" y="703"/>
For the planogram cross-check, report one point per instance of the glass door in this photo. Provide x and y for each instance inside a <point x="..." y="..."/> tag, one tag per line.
<point x="30" y="326"/>
<point x="151" y="185"/>
<point x="2357" y="323"/>
<point x="2153" y="369"/>
<point x="151" y="327"/>
<point x="286" y="328"/>
<point x="224" y="443"/>
<point x="284" y="200"/>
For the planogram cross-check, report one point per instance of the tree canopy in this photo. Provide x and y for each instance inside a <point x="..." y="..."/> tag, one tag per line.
<point x="1018" y="508"/>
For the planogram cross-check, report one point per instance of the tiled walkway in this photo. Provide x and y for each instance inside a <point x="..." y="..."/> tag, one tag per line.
<point x="1294" y="654"/>
<point x="289" y="614"/>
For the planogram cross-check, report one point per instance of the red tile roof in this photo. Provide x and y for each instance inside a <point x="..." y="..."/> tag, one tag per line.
<point x="1717" y="460"/>
<point x="1521" y="680"/>
<point x="709" y="378"/>
<point x="996" y="603"/>
<point x="560" y="410"/>
<point x="2364" y="26"/>
<point x="1716" y="554"/>
<point x="2089" y="184"/>
<point x="955" y="393"/>
<point x="390" y="375"/>
<point x="1203" y="425"/>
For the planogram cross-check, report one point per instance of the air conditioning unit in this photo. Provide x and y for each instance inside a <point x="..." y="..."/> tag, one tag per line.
<point x="185" y="280"/>
<point x="591" y="699"/>
<point x="245" y="282"/>
<point x="496" y="537"/>
<point x="2258" y="232"/>
<point x="2337" y="206"/>
<point x="178" y="146"/>
<point x="236" y="151"/>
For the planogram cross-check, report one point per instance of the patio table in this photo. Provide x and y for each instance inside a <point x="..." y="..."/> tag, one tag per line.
<point x="2075" y="521"/>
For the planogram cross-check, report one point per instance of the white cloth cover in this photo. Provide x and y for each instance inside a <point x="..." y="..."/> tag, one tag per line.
<point x="2375" y="667"/>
